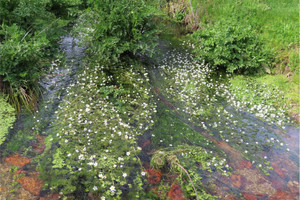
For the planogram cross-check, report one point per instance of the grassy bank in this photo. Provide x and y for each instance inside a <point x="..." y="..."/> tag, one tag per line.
<point x="274" y="28"/>
<point x="277" y="22"/>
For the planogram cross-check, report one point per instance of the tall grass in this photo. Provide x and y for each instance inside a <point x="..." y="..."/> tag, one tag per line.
<point x="22" y="98"/>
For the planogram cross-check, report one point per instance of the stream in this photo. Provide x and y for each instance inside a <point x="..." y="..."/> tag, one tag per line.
<point x="195" y="109"/>
<point x="244" y="138"/>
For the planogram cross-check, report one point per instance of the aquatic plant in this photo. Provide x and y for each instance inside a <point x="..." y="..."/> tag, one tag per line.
<point x="96" y="129"/>
<point x="209" y="101"/>
<point x="185" y="162"/>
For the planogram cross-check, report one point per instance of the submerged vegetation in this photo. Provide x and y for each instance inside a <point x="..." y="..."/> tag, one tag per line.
<point x="97" y="127"/>
<point x="112" y="122"/>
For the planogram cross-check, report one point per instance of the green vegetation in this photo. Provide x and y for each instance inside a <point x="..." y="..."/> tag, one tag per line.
<point x="272" y="90"/>
<point x="96" y="130"/>
<point x="232" y="45"/>
<point x="28" y="35"/>
<point x="207" y="122"/>
<point x="276" y="23"/>
<point x="118" y="28"/>
<point x="180" y="146"/>
<point x="7" y="118"/>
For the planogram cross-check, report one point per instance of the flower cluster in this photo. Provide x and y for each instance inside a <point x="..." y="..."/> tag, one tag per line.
<point x="211" y="102"/>
<point x="97" y="127"/>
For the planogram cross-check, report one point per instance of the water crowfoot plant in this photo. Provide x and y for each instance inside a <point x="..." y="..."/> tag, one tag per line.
<point x="210" y="102"/>
<point x="102" y="114"/>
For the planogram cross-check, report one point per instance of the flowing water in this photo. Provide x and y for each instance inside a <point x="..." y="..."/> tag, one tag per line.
<point x="54" y="85"/>
<point x="264" y="157"/>
<point x="196" y="109"/>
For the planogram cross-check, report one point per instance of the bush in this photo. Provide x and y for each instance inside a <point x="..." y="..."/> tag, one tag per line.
<point x="7" y="118"/>
<point x="118" y="28"/>
<point x="21" y="58"/>
<point x="232" y="45"/>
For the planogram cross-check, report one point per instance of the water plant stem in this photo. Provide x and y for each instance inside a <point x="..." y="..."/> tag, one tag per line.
<point x="187" y="173"/>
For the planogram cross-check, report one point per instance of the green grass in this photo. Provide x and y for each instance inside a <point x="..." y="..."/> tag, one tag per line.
<point x="277" y="22"/>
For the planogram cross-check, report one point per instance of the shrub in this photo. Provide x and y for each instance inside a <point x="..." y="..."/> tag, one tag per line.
<point x="232" y="45"/>
<point x="7" y="118"/>
<point x="22" y="59"/>
<point x="118" y="28"/>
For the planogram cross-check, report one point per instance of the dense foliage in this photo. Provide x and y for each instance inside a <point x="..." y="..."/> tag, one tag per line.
<point x="21" y="57"/>
<point x="276" y="22"/>
<point x="116" y="28"/>
<point x="7" y="118"/>
<point x="105" y="131"/>
<point x="28" y="34"/>
<point x="233" y="46"/>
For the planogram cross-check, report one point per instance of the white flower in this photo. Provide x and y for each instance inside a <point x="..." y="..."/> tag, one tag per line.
<point x="103" y="198"/>
<point x="143" y="173"/>
<point x="95" y="188"/>
<point x="120" y="158"/>
<point x="101" y="176"/>
<point x="113" y="189"/>
<point x="124" y="175"/>
<point x="128" y="153"/>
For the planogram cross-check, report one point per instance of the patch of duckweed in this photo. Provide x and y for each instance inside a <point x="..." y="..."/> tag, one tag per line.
<point x="94" y="144"/>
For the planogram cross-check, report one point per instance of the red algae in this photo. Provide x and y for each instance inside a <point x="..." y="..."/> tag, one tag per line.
<point x="31" y="184"/>
<point x="175" y="193"/>
<point x="17" y="160"/>
<point x="237" y="180"/>
<point x="281" y="195"/>
<point x="249" y="196"/>
<point x="154" y="176"/>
